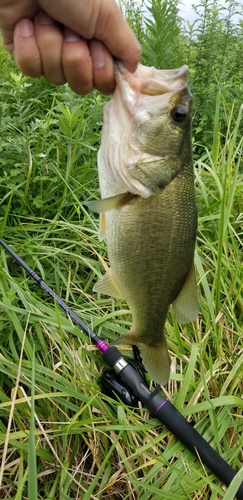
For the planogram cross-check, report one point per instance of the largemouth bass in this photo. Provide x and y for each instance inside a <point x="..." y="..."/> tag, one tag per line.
<point x="148" y="211"/>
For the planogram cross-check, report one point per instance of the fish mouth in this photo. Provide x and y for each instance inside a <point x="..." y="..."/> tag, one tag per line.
<point x="152" y="81"/>
<point x="153" y="89"/>
<point x="144" y="103"/>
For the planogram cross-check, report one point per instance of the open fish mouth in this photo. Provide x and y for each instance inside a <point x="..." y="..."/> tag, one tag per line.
<point x="151" y="89"/>
<point x="140" y="100"/>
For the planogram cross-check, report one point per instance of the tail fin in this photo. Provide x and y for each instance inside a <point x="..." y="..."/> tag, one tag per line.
<point x="157" y="361"/>
<point x="155" y="357"/>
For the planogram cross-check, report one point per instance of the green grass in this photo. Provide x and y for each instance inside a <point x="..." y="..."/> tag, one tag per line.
<point x="61" y="438"/>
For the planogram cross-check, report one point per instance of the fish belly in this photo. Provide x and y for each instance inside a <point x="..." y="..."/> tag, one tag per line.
<point x="151" y="248"/>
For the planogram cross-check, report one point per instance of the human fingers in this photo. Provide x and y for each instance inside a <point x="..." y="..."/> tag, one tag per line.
<point x="12" y="11"/>
<point x="77" y="62"/>
<point x="38" y="48"/>
<point x="49" y="39"/>
<point x="86" y="65"/>
<point x="103" y="68"/>
<point x="25" y="49"/>
<point x="82" y="66"/>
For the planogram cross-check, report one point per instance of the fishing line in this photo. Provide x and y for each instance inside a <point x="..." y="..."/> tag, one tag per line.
<point x="126" y="380"/>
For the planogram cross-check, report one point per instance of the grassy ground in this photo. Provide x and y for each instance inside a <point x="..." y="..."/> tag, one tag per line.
<point x="61" y="438"/>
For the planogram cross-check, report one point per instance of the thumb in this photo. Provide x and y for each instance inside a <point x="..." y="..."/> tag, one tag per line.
<point x="101" y="20"/>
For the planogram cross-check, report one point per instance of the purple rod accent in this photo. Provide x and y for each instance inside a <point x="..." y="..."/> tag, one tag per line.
<point x="102" y="346"/>
<point x="160" y="406"/>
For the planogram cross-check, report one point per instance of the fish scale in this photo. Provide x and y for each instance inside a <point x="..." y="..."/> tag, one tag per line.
<point x="152" y="249"/>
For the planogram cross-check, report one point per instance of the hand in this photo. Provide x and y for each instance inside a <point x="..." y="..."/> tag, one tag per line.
<point x="70" y="41"/>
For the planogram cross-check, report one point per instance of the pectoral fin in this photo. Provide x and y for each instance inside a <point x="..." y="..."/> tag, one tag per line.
<point x="108" y="286"/>
<point x="107" y="204"/>
<point x="186" y="305"/>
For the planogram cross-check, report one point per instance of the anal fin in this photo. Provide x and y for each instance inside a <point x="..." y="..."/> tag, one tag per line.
<point x="186" y="305"/>
<point x="157" y="361"/>
<point x="155" y="356"/>
<point x="102" y="227"/>
<point x="108" y="285"/>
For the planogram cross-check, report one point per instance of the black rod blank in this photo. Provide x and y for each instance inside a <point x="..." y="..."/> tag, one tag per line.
<point x="168" y="415"/>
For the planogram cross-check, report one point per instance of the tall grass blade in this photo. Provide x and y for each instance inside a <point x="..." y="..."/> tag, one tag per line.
<point x="32" y="467"/>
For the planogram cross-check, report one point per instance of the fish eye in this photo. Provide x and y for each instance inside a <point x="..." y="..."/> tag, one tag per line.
<point x="179" y="114"/>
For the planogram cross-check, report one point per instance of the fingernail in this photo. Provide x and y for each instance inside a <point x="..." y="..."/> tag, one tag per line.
<point x="25" y="28"/>
<point x="71" y="36"/>
<point x="43" y="18"/>
<point x="97" y="51"/>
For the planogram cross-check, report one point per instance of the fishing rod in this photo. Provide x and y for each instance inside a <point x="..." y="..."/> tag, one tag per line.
<point x="126" y="381"/>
